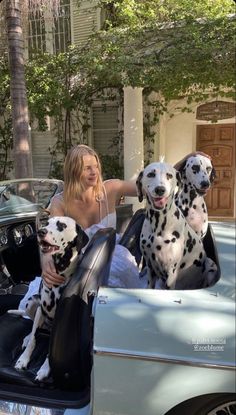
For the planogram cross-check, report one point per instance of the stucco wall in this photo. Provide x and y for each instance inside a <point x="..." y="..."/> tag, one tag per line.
<point x="179" y="135"/>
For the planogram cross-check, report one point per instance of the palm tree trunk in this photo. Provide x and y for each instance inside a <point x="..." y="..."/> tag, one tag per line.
<point x="21" y="136"/>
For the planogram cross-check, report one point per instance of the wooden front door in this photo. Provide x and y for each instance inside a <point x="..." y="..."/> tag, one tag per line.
<point x="219" y="142"/>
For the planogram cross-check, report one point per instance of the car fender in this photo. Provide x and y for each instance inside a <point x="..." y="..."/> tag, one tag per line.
<point x="154" y="349"/>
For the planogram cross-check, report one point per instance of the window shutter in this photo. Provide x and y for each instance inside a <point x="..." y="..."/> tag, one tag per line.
<point x="104" y="128"/>
<point x="85" y="20"/>
<point x="41" y="141"/>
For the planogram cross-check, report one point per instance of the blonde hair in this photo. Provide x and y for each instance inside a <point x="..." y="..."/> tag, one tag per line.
<point x="73" y="168"/>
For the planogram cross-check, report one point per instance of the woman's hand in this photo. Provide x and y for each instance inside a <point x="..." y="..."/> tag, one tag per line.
<point x="179" y="164"/>
<point x="49" y="275"/>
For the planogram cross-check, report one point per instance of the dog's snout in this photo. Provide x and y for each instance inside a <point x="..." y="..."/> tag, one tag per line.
<point x="160" y="190"/>
<point x="42" y="232"/>
<point x="205" y="184"/>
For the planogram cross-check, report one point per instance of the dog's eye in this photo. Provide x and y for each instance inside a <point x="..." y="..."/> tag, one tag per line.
<point x="151" y="174"/>
<point x="169" y="176"/>
<point x="196" y="168"/>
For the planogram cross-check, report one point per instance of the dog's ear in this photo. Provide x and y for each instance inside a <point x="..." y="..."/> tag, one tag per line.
<point x="140" y="186"/>
<point x="82" y="238"/>
<point x="182" y="166"/>
<point x="179" y="181"/>
<point x="213" y="175"/>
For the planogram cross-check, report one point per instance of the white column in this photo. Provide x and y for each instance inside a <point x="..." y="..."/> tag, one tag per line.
<point x="133" y="137"/>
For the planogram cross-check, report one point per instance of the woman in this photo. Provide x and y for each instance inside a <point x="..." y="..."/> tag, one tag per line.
<point x="91" y="203"/>
<point x="88" y="200"/>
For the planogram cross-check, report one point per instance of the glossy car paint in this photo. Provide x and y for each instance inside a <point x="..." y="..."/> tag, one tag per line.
<point x="148" y="357"/>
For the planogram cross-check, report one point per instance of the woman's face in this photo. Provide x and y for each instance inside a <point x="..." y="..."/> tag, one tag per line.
<point x="90" y="173"/>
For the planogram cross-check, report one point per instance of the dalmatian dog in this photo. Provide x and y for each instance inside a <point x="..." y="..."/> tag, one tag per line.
<point x="198" y="175"/>
<point x="173" y="252"/>
<point x="62" y="239"/>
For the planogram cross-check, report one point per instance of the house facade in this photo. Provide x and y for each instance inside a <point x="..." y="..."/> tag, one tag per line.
<point x="209" y="127"/>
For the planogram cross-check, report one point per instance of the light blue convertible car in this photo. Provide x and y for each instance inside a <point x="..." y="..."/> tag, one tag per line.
<point x="114" y="351"/>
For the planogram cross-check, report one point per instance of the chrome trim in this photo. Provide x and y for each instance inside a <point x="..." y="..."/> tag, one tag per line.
<point x="154" y="358"/>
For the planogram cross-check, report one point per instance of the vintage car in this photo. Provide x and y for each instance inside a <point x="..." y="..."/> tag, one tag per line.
<point x="112" y="351"/>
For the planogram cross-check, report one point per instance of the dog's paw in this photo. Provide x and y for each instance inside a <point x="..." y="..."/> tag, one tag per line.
<point x="43" y="372"/>
<point x="21" y="363"/>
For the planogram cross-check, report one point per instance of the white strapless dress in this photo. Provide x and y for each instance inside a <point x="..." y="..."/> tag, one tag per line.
<point x="124" y="272"/>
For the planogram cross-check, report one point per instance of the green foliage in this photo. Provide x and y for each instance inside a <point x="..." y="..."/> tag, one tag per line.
<point x="174" y="61"/>
<point x="189" y="58"/>
<point x="48" y="85"/>
<point x="177" y="48"/>
<point x="54" y="90"/>
<point x="136" y="13"/>
<point x="56" y="170"/>
<point x="111" y="168"/>
<point x="6" y="138"/>
<point x="6" y="144"/>
<point x="182" y="59"/>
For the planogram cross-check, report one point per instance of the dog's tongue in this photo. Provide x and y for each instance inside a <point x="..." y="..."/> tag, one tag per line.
<point x="159" y="202"/>
<point x="46" y="247"/>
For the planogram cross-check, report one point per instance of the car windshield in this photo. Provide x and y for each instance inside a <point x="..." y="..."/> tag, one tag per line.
<point x="28" y="195"/>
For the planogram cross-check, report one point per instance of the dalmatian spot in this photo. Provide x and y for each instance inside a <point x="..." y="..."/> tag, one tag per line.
<point x="177" y="214"/>
<point x="185" y="212"/>
<point x="197" y="263"/>
<point x="176" y="234"/>
<point x="164" y="224"/>
<point x="61" y="226"/>
<point x="169" y="176"/>
<point x="196" y="168"/>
